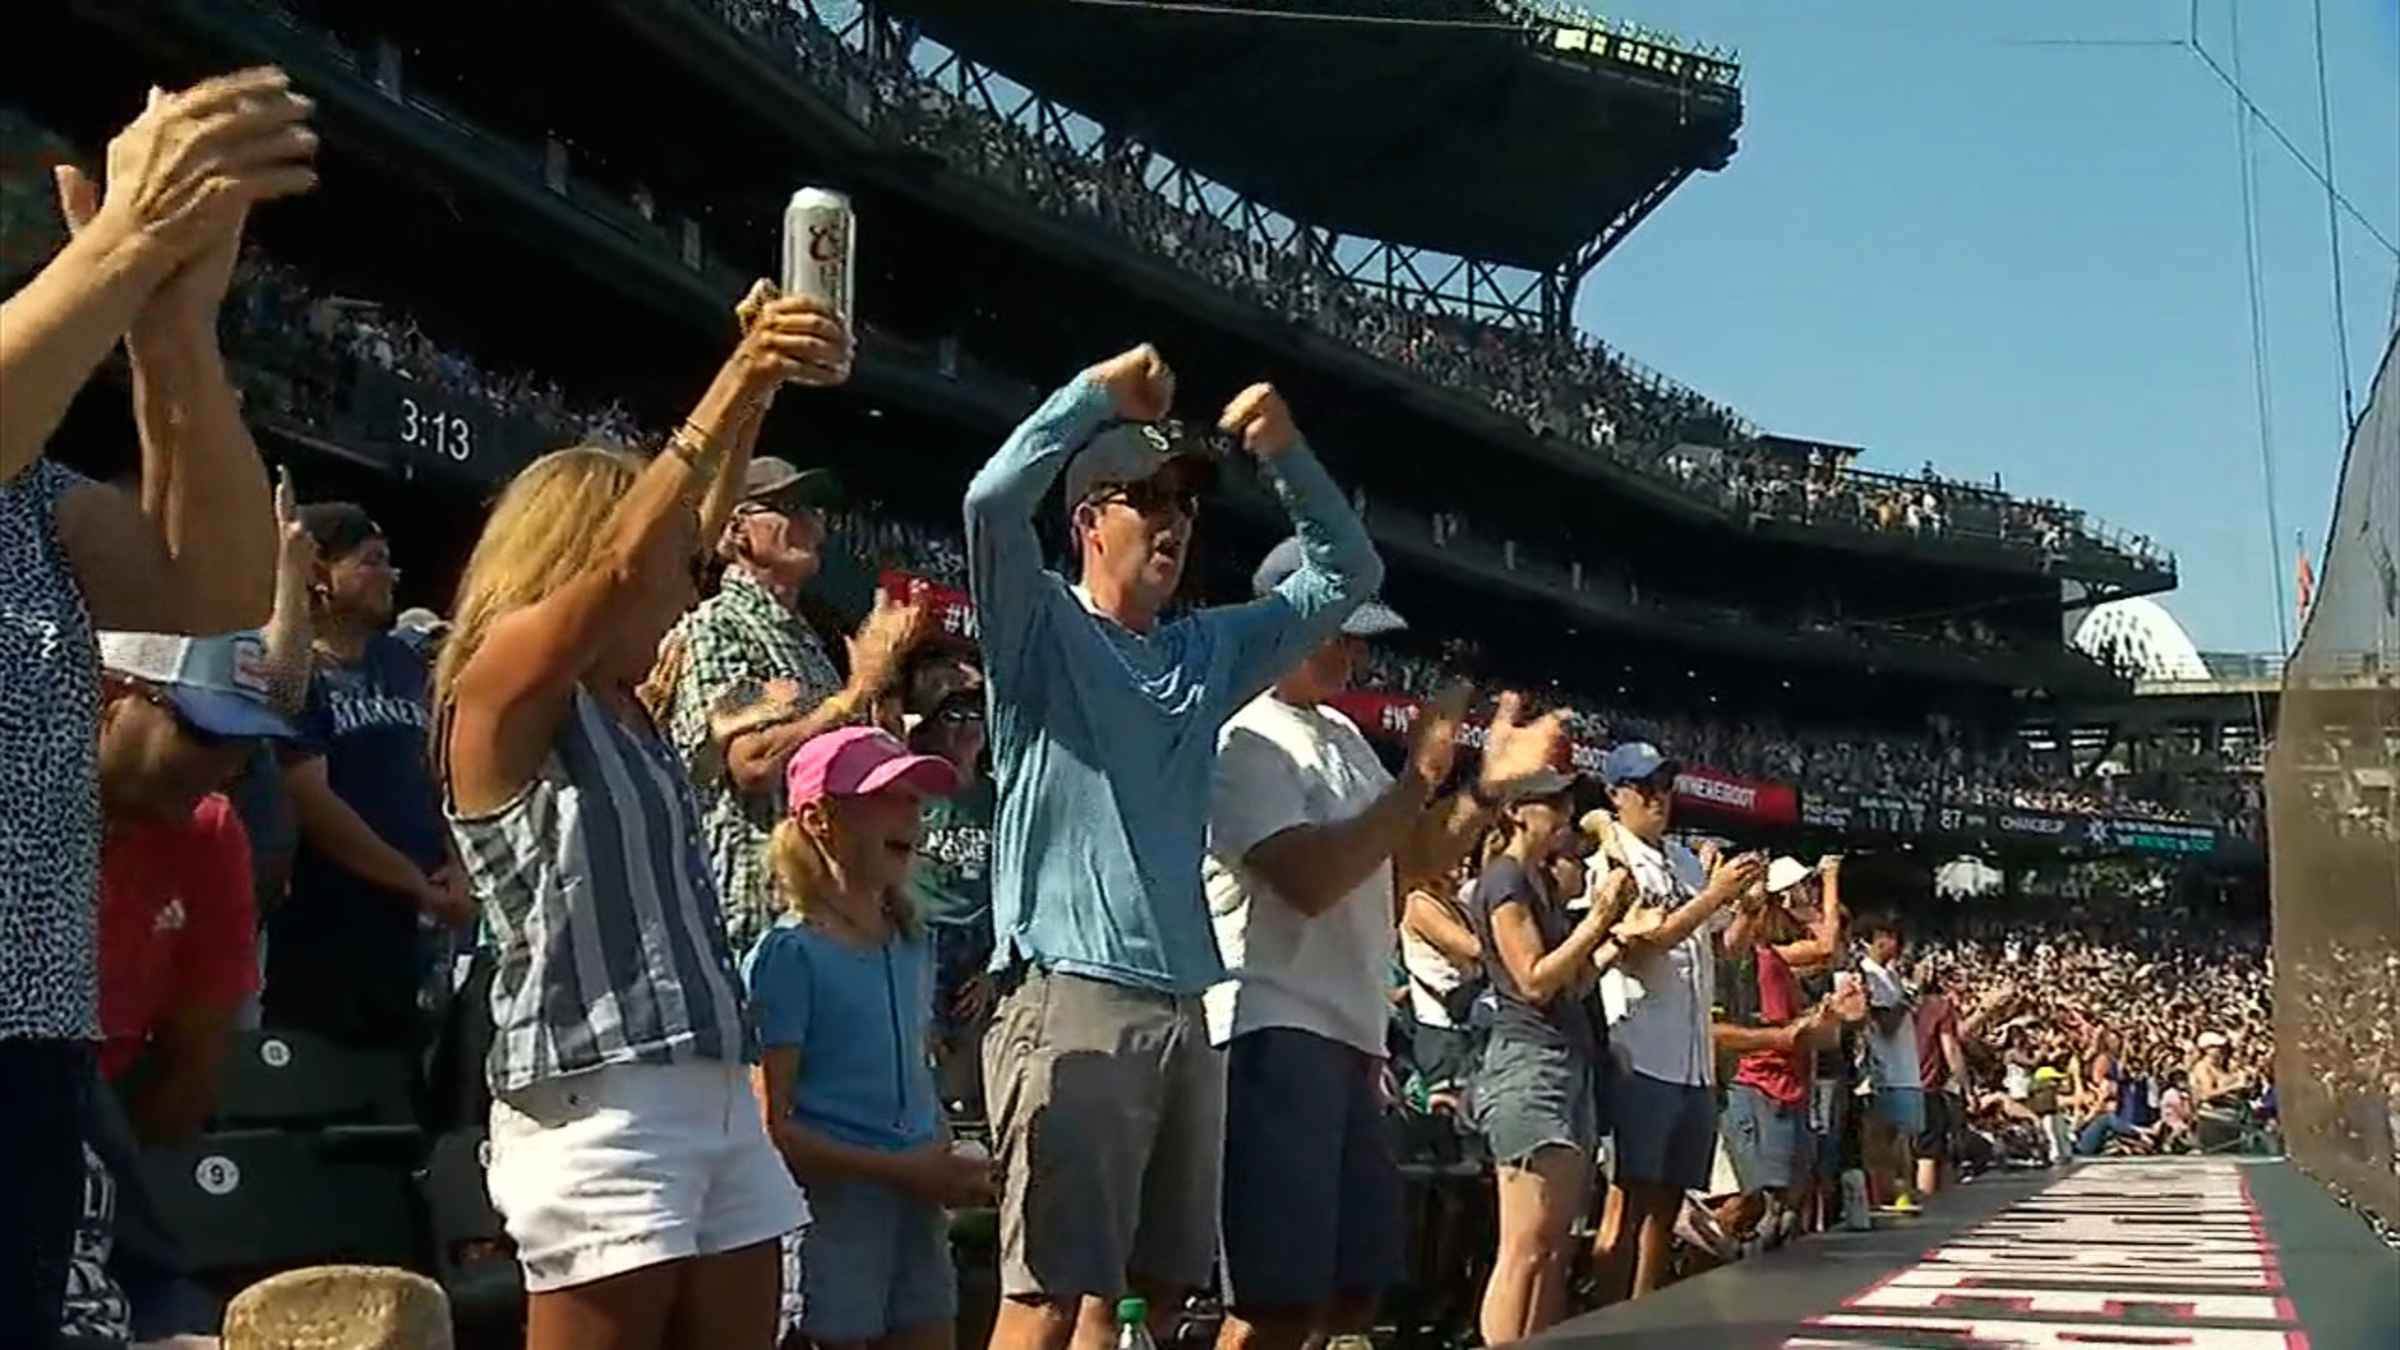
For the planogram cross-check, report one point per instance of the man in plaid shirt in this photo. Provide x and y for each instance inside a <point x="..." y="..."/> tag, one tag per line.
<point x="753" y="681"/>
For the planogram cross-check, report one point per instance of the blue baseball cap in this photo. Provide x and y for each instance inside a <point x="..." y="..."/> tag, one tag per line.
<point x="218" y="684"/>
<point x="1634" y="762"/>
<point x="1372" y="619"/>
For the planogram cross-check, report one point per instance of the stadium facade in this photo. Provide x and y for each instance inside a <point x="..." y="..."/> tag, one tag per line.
<point x="582" y="190"/>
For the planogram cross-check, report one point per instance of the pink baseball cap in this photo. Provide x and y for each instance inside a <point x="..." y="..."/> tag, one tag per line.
<point x="860" y="762"/>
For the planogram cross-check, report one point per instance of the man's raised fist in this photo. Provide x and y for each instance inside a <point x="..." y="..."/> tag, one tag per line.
<point x="1260" y="420"/>
<point x="1139" y="382"/>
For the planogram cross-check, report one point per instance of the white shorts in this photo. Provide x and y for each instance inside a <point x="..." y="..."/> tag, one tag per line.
<point x="600" y="1173"/>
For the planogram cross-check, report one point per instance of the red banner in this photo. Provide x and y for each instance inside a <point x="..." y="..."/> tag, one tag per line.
<point x="951" y="606"/>
<point x="1747" y="799"/>
<point x="1696" y="789"/>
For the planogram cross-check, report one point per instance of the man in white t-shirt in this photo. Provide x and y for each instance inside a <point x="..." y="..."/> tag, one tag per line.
<point x="1892" y="1066"/>
<point x="1305" y="831"/>
<point x="1659" y="997"/>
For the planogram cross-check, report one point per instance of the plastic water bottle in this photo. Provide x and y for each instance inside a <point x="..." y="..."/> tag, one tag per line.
<point x="1133" y="1325"/>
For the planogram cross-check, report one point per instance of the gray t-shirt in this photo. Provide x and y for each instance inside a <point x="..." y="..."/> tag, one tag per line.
<point x="1563" y="1022"/>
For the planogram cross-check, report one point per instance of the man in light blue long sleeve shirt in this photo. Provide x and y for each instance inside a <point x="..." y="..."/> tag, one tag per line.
<point x="1104" y="731"/>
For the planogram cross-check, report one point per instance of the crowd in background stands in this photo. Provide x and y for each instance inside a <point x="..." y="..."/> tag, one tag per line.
<point x="1936" y="764"/>
<point x="270" y="299"/>
<point x="1567" y="386"/>
<point x="2155" y="976"/>
<point x="2348" y="1032"/>
<point x="1929" y="766"/>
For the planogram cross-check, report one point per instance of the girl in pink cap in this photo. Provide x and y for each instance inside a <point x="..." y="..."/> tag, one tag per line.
<point x="841" y="991"/>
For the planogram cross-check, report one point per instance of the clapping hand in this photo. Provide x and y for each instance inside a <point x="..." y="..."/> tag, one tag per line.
<point x="1139" y="383"/>
<point x="1433" y="741"/>
<point x="884" y="640"/>
<point x="1733" y="879"/>
<point x="1517" y="749"/>
<point x="1261" y="421"/>
<point x="182" y="177"/>
<point x="1612" y="896"/>
<point x="1849" y="1003"/>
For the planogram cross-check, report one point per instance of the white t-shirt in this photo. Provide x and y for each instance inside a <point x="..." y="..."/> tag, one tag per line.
<point x="1892" y="1059"/>
<point x="1658" y="1006"/>
<point x="1278" y="767"/>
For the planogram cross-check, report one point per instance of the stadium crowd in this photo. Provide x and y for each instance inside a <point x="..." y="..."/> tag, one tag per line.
<point x="1934" y="764"/>
<point x="267" y="296"/>
<point x="1929" y="766"/>
<point x="752" y="917"/>
<point x="1568" y="386"/>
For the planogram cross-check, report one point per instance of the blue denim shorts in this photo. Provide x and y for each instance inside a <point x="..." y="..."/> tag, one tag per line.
<point x="1903" y="1109"/>
<point x="874" y="1262"/>
<point x="1531" y="1096"/>
<point x="1770" y="1143"/>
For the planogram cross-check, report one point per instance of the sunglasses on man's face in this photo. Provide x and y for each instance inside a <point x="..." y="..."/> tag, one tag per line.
<point x="1155" y="498"/>
<point x="960" y="714"/>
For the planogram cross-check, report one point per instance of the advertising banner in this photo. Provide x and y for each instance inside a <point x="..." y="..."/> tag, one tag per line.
<point x="1746" y="799"/>
<point x="952" y="607"/>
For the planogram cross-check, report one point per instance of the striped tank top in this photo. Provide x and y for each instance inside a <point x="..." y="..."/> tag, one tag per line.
<point x="597" y="900"/>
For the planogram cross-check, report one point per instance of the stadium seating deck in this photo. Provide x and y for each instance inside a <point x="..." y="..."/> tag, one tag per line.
<point x="2233" y="1254"/>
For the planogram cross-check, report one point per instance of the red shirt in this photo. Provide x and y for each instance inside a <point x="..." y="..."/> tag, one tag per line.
<point x="1935" y="1015"/>
<point x="178" y="925"/>
<point x="1780" y="1076"/>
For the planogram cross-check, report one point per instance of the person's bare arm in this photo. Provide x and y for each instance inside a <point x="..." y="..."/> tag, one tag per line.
<point x="179" y="177"/>
<point x="333" y="828"/>
<point x="511" y="693"/>
<point x="716" y="505"/>
<point x="1730" y="881"/>
<point x="1441" y="928"/>
<point x="1313" y="866"/>
<point x="1824" y="940"/>
<point x="755" y="759"/>
<point x="1540" y="975"/>
<point x="199" y="554"/>
<point x="177" y="1089"/>
<point x="1955" y="1055"/>
<point x="931" y="1172"/>
<point x="1743" y="1040"/>
<point x="55" y="331"/>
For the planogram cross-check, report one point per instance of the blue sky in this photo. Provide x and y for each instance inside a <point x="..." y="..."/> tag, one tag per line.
<point x="2029" y="260"/>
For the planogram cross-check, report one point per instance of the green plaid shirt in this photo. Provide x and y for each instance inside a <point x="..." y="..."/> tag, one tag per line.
<point x="740" y="635"/>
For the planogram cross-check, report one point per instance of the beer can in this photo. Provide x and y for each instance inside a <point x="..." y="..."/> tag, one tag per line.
<point x="820" y="249"/>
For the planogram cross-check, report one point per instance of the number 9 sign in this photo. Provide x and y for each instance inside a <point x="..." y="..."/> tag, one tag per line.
<point x="218" y="1174"/>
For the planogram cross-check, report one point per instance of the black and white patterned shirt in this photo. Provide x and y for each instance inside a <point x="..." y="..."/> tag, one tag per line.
<point x="741" y="635"/>
<point x="49" y="775"/>
<point x="598" y="904"/>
